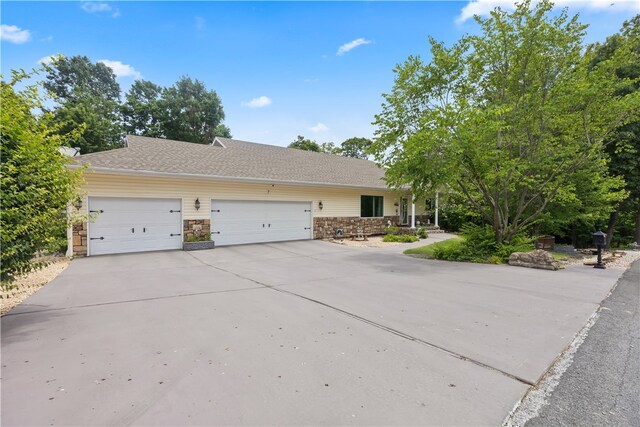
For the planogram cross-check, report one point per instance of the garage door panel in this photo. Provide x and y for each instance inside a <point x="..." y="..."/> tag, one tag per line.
<point x="134" y="225"/>
<point x="238" y="221"/>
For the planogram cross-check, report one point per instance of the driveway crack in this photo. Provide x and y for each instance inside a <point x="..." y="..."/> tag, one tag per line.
<point x="375" y="324"/>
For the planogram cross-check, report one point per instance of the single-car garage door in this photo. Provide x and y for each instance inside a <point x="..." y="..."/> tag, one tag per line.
<point x="236" y="222"/>
<point x="134" y="225"/>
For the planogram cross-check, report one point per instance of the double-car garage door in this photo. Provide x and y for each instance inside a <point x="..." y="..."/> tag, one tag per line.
<point x="123" y="224"/>
<point x="236" y="222"/>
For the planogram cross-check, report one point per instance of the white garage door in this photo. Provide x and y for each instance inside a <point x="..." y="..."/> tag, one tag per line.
<point x="134" y="225"/>
<point x="236" y="222"/>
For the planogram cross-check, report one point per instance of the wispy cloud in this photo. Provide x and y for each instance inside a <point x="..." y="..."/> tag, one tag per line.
<point x="259" y="102"/>
<point x="484" y="7"/>
<point x="97" y="7"/>
<point x="352" y="45"/>
<point x="200" y="24"/>
<point x="314" y="80"/>
<point x="46" y="60"/>
<point x="120" y="69"/>
<point x="14" y="34"/>
<point x="320" y="127"/>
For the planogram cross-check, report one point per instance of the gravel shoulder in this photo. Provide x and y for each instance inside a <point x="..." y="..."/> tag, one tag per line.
<point x="27" y="285"/>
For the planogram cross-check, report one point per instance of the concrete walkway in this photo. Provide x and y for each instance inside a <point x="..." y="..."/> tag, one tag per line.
<point x="297" y="333"/>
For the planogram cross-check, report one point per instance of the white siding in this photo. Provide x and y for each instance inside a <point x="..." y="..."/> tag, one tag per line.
<point x="336" y="201"/>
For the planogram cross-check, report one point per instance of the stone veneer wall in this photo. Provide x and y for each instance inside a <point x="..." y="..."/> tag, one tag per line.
<point x="192" y="227"/>
<point x="325" y="227"/>
<point x="79" y="239"/>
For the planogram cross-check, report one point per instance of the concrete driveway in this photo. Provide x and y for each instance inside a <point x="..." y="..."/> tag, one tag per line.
<point x="297" y="333"/>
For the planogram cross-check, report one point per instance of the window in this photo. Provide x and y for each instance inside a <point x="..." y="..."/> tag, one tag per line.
<point x="371" y="206"/>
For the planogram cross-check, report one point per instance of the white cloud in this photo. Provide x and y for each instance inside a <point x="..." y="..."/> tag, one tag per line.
<point x="352" y="45"/>
<point x="46" y="59"/>
<point x="96" y="7"/>
<point x="483" y="7"/>
<point x="14" y="34"/>
<point x="259" y="102"/>
<point x="314" y="80"/>
<point x="320" y="127"/>
<point x="120" y="69"/>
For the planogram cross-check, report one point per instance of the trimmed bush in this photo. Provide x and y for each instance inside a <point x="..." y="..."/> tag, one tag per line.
<point x="421" y="232"/>
<point x="393" y="230"/>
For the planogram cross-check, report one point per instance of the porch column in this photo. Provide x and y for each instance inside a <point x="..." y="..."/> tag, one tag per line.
<point x="436" y="218"/>
<point x="413" y="213"/>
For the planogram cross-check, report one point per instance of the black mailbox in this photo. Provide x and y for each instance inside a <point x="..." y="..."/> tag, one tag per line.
<point x="599" y="238"/>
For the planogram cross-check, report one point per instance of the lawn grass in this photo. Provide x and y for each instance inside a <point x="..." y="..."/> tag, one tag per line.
<point x="559" y="256"/>
<point x="427" y="251"/>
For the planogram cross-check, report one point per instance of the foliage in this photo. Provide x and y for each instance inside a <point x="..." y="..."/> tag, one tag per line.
<point x="421" y="233"/>
<point x="223" y="131"/>
<point x="392" y="230"/>
<point x="623" y="144"/>
<point x="456" y="212"/>
<point x="36" y="184"/>
<point x="142" y="111"/>
<point x="508" y="118"/>
<point x="202" y="237"/>
<point x="355" y="147"/>
<point x="479" y="245"/>
<point x="88" y="98"/>
<point x="404" y="238"/>
<point x="192" y="112"/>
<point x="302" y="143"/>
<point x="427" y="250"/>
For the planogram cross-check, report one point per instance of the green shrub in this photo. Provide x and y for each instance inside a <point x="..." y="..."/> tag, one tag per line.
<point x="421" y="232"/>
<point x="479" y="245"/>
<point x="427" y="250"/>
<point x="405" y="238"/>
<point x="392" y="230"/>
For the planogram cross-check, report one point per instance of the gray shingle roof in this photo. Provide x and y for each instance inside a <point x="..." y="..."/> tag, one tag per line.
<point x="236" y="160"/>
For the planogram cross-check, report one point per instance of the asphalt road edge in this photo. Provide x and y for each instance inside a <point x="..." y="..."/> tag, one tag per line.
<point x="529" y="406"/>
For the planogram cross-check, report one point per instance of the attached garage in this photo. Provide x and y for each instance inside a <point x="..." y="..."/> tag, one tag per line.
<point x="157" y="194"/>
<point x="124" y="224"/>
<point x="236" y="222"/>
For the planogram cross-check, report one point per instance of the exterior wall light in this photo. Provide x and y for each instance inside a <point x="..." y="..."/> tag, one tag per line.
<point x="197" y="204"/>
<point x="320" y="205"/>
<point x="78" y="204"/>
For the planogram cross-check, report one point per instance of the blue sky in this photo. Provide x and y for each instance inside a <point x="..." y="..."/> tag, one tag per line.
<point x="282" y="69"/>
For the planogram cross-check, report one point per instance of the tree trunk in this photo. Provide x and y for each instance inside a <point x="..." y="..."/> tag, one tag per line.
<point x="613" y="219"/>
<point x="637" y="233"/>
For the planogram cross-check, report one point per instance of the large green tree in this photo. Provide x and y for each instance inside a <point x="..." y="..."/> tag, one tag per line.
<point x="36" y="184"/>
<point x="355" y="147"/>
<point x="87" y="100"/>
<point x="508" y="117"/>
<point x="191" y="112"/>
<point x="302" y="143"/>
<point x="142" y="112"/>
<point x="623" y="145"/>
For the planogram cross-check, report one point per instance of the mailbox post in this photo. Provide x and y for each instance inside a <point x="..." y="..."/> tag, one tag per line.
<point x="599" y="239"/>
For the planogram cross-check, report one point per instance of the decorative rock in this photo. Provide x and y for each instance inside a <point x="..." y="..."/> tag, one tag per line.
<point x="536" y="259"/>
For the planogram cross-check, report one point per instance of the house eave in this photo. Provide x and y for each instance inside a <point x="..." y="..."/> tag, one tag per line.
<point x="134" y="172"/>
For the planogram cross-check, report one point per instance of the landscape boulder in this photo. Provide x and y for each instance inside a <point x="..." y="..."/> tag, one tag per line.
<point x="536" y="259"/>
